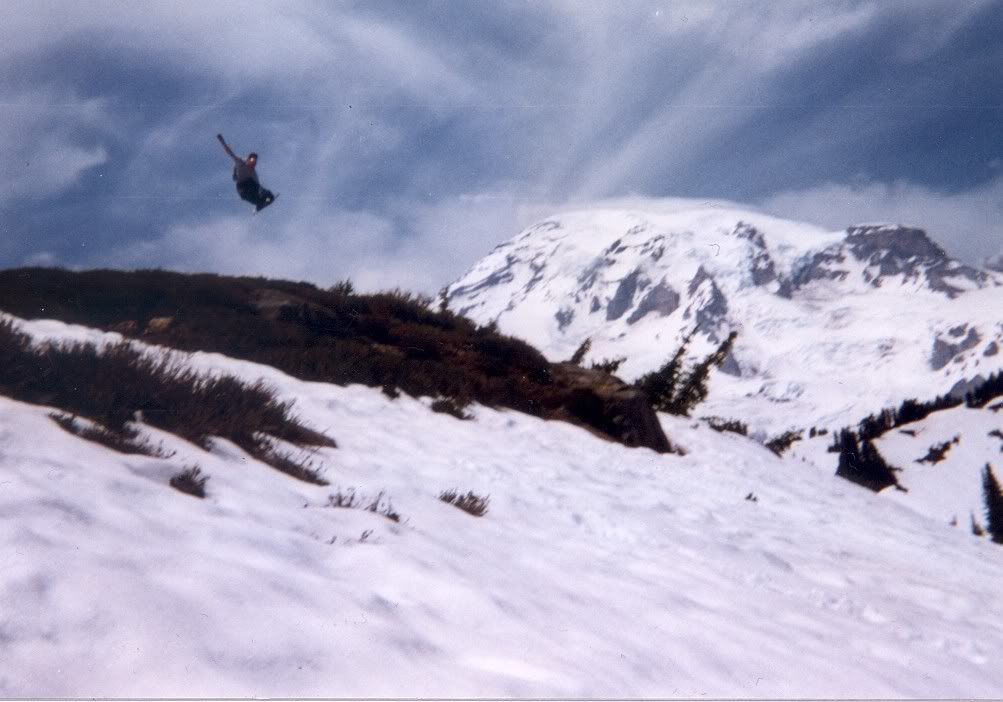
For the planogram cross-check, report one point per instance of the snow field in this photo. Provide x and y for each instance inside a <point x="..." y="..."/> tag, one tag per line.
<point x="597" y="570"/>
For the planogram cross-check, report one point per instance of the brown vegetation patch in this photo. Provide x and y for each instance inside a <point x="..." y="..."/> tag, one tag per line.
<point x="392" y="340"/>
<point x="113" y="385"/>
<point x="350" y="499"/>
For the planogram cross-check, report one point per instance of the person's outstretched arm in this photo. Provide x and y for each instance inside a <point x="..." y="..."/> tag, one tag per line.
<point x="229" y="151"/>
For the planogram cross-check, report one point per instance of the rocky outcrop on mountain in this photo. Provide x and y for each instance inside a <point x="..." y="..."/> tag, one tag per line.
<point x="761" y="267"/>
<point x="660" y="300"/>
<point x="908" y="252"/>
<point x="708" y="306"/>
<point x="623" y="298"/>
<point x="946" y="350"/>
<point x="888" y="252"/>
<point x="896" y="249"/>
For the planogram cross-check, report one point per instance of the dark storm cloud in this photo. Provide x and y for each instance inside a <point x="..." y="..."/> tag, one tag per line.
<point x="408" y="138"/>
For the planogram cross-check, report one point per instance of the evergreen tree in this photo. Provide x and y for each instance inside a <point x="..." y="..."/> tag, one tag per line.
<point x="579" y="355"/>
<point x="861" y="463"/>
<point x="993" y="497"/>
<point x="667" y="389"/>
<point x="988" y="390"/>
<point x="694" y="388"/>
<point x="660" y="385"/>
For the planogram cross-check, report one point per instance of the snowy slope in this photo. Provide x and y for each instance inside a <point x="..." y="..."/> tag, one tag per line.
<point x="832" y="325"/>
<point x="597" y="571"/>
<point x="947" y="489"/>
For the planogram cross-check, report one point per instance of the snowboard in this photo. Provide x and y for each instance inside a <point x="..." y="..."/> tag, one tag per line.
<point x="266" y="203"/>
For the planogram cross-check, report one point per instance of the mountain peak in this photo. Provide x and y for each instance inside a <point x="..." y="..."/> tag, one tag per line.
<point x="892" y="241"/>
<point x="817" y="311"/>
<point x="890" y="253"/>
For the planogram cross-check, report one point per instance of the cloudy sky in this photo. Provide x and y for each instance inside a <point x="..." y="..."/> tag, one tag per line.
<point x="408" y="137"/>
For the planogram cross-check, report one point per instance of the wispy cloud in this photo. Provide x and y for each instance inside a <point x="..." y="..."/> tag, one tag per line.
<point x="406" y="139"/>
<point x="48" y="140"/>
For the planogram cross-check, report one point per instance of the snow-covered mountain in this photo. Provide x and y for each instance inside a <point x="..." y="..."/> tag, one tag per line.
<point x="831" y="325"/>
<point x="597" y="571"/>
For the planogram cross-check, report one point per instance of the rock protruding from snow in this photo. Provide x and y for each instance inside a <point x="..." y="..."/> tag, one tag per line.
<point x="612" y="406"/>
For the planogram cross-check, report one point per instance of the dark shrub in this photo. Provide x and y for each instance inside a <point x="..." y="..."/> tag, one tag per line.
<point x="733" y="425"/>
<point x="783" y="442"/>
<point x="126" y="440"/>
<point x="469" y="503"/>
<point x="190" y="481"/>
<point x="114" y="385"/>
<point x="937" y="453"/>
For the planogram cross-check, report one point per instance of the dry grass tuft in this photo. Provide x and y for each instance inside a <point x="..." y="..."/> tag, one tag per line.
<point x="190" y="481"/>
<point x="125" y="440"/>
<point x="469" y="503"/>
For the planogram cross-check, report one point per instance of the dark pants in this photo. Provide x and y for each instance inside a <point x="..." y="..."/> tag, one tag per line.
<point x="253" y="193"/>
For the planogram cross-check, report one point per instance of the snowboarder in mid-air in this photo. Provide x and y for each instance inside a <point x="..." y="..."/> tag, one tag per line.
<point x="246" y="178"/>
